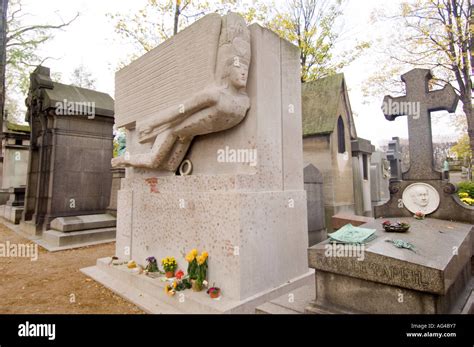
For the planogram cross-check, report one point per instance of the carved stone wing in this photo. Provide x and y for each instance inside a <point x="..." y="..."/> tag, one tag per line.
<point x="163" y="77"/>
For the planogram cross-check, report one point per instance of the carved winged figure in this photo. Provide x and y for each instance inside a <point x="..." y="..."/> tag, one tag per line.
<point x="220" y="106"/>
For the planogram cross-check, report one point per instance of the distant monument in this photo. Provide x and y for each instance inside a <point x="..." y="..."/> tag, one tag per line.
<point x="328" y="132"/>
<point x="69" y="177"/>
<point x="15" y="143"/>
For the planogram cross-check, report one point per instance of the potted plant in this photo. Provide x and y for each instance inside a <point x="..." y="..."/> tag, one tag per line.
<point x="179" y="275"/>
<point x="169" y="265"/>
<point x="151" y="268"/>
<point x="214" y="292"/>
<point x="197" y="269"/>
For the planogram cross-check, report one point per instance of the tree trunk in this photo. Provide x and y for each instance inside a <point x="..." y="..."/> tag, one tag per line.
<point x="176" y="17"/>
<point x="467" y="108"/>
<point x="3" y="58"/>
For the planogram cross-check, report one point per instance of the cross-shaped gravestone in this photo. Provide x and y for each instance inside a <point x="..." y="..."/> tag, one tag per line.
<point x="417" y="105"/>
<point x="394" y="155"/>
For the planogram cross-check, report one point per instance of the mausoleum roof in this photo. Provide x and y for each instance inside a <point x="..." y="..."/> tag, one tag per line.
<point x="104" y="104"/>
<point x="320" y="100"/>
<point x="24" y="128"/>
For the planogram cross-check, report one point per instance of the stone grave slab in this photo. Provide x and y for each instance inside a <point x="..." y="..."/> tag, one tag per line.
<point x="433" y="279"/>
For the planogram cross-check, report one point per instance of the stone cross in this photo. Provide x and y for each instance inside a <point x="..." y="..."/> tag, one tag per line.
<point x="417" y="104"/>
<point x="394" y="156"/>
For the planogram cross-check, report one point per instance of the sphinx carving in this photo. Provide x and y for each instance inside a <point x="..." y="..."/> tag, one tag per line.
<point x="221" y="105"/>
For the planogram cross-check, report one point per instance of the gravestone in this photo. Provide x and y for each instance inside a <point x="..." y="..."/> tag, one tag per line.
<point x="362" y="150"/>
<point x="383" y="279"/>
<point x="14" y="163"/>
<point x="250" y="215"/>
<point x="117" y="174"/>
<point x="417" y="105"/>
<point x="434" y="276"/>
<point x="313" y="185"/>
<point x="380" y="178"/>
<point x="394" y="155"/>
<point x="69" y="164"/>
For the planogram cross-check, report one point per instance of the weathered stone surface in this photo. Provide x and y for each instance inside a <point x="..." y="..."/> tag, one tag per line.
<point x="361" y="153"/>
<point x="216" y="104"/>
<point x="117" y="175"/>
<point x="417" y="105"/>
<point x="380" y="178"/>
<point x="341" y="219"/>
<point x="86" y="222"/>
<point x="54" y="240"/>
<point x="450" y="208"/>
<point x="325" y="101"/>
<point x="431" y="279"/>
<point x="313" y="184"/>
<point x="15" y="145"/>
<point x="418" y="270"/>
<point x="250" y="218"/>
<point x="394" y="155"/>
<point x="69" y="163"/>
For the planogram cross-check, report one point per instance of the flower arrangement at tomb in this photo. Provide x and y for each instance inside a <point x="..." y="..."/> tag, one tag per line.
<point x="197" y="269"/>
<point x="466" y="193"/>
<point x="151" y="268"/>
<point x="169" y="265"/>
<point x="176" y="280"/>
<point x="419" y="215"/>
<point x="396" y="227"/>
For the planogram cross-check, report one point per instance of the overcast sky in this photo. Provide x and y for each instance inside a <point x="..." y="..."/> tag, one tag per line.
<point x="92" y="42"/>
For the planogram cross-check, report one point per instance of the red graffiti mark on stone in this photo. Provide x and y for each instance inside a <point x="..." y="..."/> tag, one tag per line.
<point x="152" y="182"/>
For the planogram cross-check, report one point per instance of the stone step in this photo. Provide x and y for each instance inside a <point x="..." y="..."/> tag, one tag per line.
<point x="54" y="240"/>
<point x="29" y="228"/>
<point x="86" y="222"/>
<point x="11" y="213"/>
<point x="271" y="308"/>
<point x="294" y="302"/>
<point x="132" y="283"/>
<point x="141" y="299"/>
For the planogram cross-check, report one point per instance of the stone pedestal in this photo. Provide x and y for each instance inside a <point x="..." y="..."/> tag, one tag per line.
<point x="433" y="279"/>
<point x="13" y="208"/>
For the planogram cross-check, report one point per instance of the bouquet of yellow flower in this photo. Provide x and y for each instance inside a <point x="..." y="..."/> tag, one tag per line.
<point x="197" y="268"/>
<point x="169" y="265"/>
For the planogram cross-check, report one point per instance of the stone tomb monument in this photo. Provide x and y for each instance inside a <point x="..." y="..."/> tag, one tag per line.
<point x="313" y="184"/>
<point x="13" y="169"/>
<point x="435" y="276"/>
<point x="380" y="178"/>
<point x="190" y="99"/>
<point x="361" y="155"/>
<point x="69" y="177"/>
